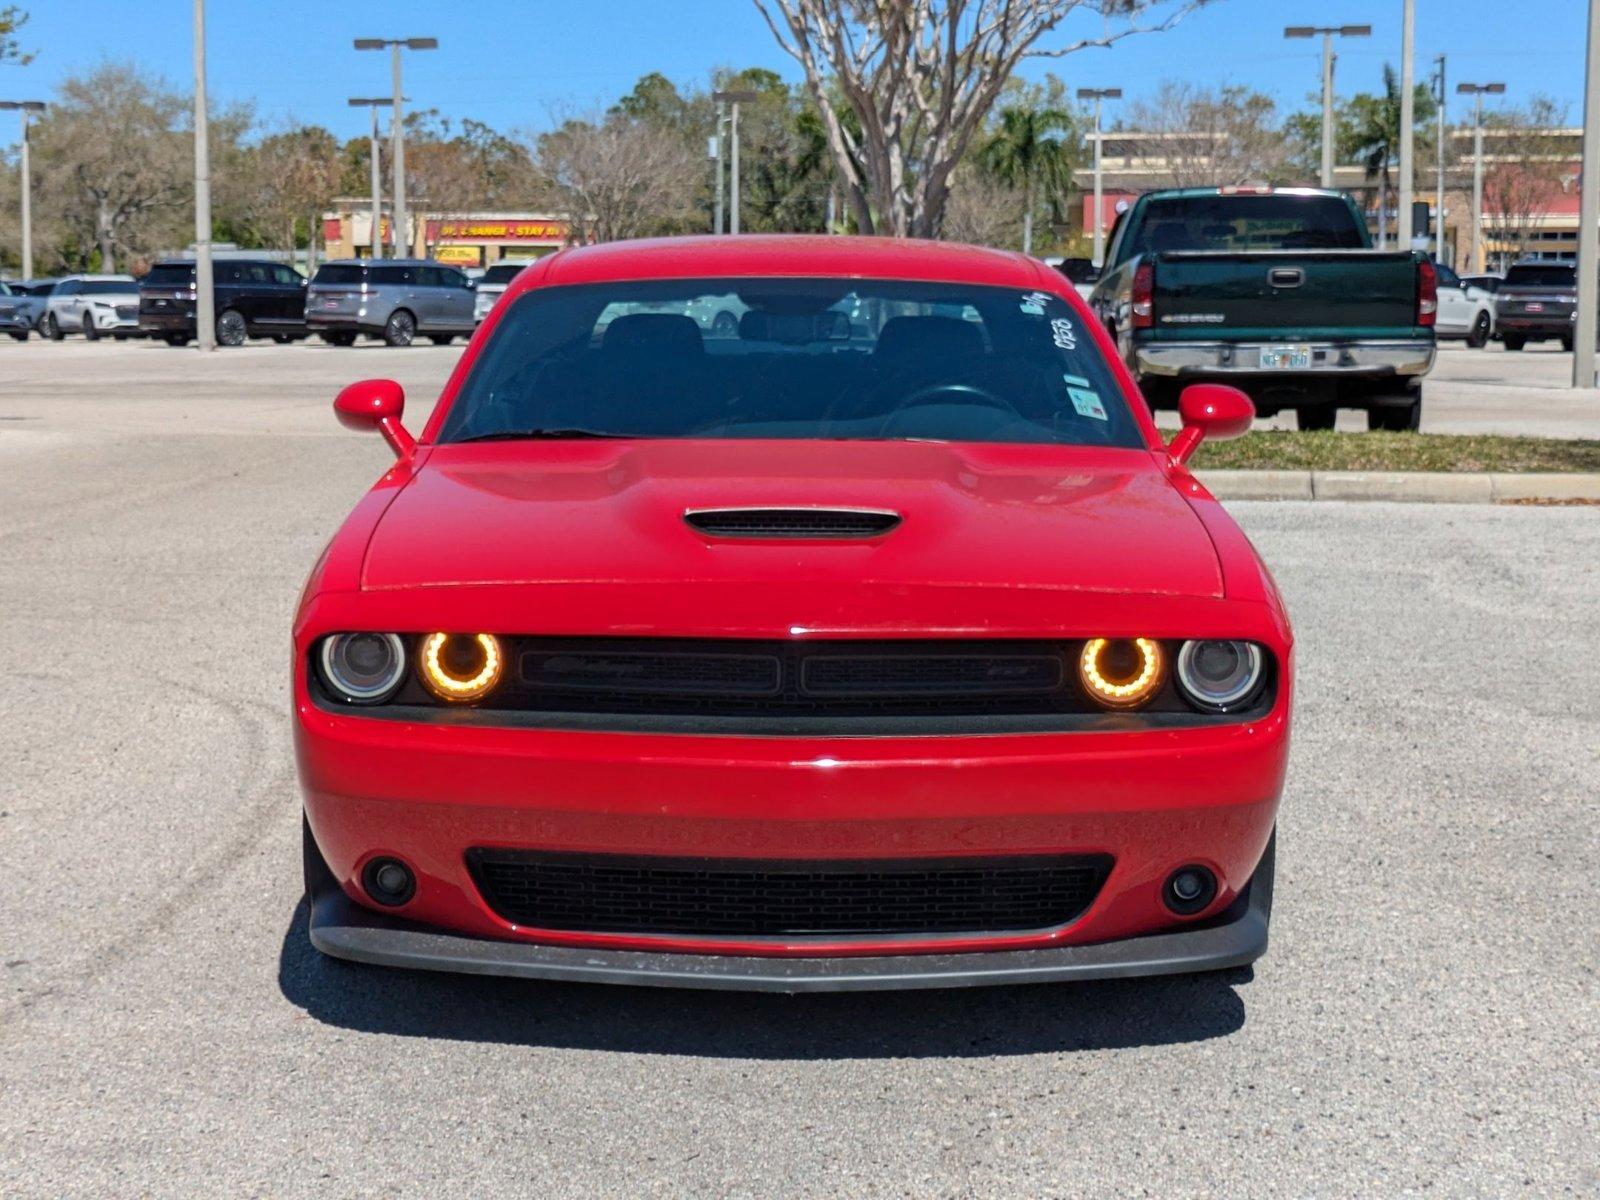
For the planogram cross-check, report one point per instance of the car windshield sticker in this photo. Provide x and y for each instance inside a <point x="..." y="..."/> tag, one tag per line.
<point x="1077" y="381"/>
<point x="1087" y="403"/>
<point x="1061" y="331"/>
<point x="1033" y="303"/>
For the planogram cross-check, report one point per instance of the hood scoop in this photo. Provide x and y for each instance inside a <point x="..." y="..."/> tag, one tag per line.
<point x="793" y="524"/>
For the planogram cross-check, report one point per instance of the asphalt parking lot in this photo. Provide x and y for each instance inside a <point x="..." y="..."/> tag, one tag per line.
<point x="1428" y="1019"/>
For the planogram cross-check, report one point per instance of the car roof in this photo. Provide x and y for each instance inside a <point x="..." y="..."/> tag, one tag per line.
<point x="383" y="262"/>
<point x="754" y="255"/>
<point x="100" y="278"/>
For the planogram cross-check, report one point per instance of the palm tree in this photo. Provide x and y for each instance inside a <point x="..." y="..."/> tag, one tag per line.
<point x="1375" y="134"/>
<point x="1027" y="152"/>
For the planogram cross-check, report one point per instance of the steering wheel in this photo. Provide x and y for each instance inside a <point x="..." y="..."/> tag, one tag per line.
<point x="960" y="393"/>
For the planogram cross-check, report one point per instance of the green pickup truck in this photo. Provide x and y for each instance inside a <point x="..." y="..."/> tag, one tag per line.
<point x="1276" y="291"/>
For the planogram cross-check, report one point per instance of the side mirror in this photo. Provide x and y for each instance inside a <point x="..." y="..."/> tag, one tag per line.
<point x="1210" y="410"/>
<point x="377" y="404"/>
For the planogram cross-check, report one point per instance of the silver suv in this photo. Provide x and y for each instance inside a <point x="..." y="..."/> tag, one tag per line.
<point x="93" y="305"/>
<point x="395" y="299"/>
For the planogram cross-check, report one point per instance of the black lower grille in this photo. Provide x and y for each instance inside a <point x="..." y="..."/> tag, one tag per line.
<point x="605" y="893"/>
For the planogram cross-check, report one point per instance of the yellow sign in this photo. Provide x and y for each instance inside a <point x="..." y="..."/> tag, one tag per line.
<point x="497" y="231"/>
<point x="463" y="255"/>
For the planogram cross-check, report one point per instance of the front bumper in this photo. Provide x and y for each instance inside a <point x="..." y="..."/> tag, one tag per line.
<point x="1237" y="937"/>
<point x="19" y="322"/>
<point x="1329" y="360"/>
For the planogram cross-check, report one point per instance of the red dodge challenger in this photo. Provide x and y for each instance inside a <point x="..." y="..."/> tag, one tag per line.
<point x="791" y="613"/>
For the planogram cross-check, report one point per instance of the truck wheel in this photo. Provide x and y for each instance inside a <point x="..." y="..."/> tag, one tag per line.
<point x="1479" y="337"/>
<point x="1514" y="341"/>
<point x="1321" y="417"/>
<point x="1402" y="419"/>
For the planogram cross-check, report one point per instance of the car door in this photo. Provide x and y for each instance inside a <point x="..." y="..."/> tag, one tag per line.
<point x="288" y="292"/>
<point x="456" y="299"/>
<point x="1455" y="307"/>
<point x="228" y="291"/>
<point x="66" y="304"/>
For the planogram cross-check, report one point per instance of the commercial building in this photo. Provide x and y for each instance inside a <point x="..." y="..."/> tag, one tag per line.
<point x="467" y="240"/>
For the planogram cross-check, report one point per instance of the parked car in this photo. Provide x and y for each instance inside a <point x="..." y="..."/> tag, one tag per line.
<point x="1538" y="302"/>
<point x="1465" y="311"/>
<point x="1082" y="271"/>
<point x="394" y="299"/>
<point x="491" y="285"/>
<point x="1484" y="283"/>
<point x="251" y="298"/>
<point x="16" y="317"/>
<point x="29" y="296"/>
<point x="93" y="305"/>
<point x="840" y="654"/>
<point x="1276" y="290"/>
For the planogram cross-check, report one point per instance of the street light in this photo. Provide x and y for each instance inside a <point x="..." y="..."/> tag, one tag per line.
<point x="398" y="153"/>
<point x="205" y="301"/>
<point x="1097" y="95"/>
<point x="734" y="98"/>
<point x="1328" y="32"/>
<point x="1478" y="90"/>
<point x="375" y="103"/>
<point x="25" y="107"/>
<point x="1438" y="166"/>
<point x="1583" y="333"/>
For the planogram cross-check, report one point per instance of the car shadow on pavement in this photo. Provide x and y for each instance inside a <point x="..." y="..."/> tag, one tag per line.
<point x="1030" y="1019"/>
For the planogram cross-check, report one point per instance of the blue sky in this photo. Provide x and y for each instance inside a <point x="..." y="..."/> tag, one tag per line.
<point x="520" y="64"/>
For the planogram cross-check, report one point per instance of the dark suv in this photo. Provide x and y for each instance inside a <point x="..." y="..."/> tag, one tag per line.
<point x="254" y="298"/>
<point x="1537" y="302"/>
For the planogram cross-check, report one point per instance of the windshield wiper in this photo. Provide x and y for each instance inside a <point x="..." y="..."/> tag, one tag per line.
<point x="534" y="435"/>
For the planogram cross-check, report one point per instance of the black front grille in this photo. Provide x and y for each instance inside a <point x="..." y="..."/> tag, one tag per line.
<point x="787" y="523"/>
<point x="795" y="678"/>
<point x="605" y="893"/>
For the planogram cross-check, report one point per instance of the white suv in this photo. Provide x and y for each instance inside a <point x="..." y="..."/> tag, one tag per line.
<point x="93" y="305"/>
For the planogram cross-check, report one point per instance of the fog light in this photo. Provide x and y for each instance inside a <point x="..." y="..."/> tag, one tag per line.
<point x="1121" y="672"/>
<point x="1189" y="889"/>
<point x="460" y="667"/>
<point x="389" y="881"/>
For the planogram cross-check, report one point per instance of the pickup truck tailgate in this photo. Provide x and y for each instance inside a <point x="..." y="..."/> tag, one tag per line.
<point x="1284" y="293"/>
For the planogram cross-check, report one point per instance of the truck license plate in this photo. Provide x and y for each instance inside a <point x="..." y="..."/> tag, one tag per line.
<point x="1285" y="358"/>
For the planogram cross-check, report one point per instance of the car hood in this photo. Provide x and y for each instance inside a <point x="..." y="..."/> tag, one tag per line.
<point x="612" y="512"/>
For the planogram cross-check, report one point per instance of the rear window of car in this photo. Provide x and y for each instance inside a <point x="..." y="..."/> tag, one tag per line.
<point x="502" y="272"/>
<point x="337" y="273"/>
<point x="170" y="274"/>
<point x="1228" y="223"/>
<point x="1542" y="275"/>
<point x="793" y="358"/>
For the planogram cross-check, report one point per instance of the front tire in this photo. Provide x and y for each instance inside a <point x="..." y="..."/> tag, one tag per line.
<point x="52" y="328"/>
<point x="400" y="328"/>
<point x="89" y="331"/>
<point x="231" y="328"/>
<point x="1479" y="337"/>
<point x="1320" y="417"/>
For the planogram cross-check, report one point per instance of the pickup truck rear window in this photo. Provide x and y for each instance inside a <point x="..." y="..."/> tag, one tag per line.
<point x="1230" y="223"/>
<point x="1540" y="275"/>
<point x="793" y="358"/>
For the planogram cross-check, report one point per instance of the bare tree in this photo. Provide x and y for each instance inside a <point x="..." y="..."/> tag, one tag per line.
<point x="915" y="79"/>
<point x="618" y="177"/>
<point x="1528" y="162"/>
<point x="1210" y="137"/>
<point x="983" y="210"/>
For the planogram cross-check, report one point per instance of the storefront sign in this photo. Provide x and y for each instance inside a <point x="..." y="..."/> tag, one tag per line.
<point x="497" y="231"/>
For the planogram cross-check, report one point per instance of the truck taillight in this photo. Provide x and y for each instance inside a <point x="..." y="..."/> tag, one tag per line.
<point x="1427" y="293"/>
<point x="1144" y="287"/>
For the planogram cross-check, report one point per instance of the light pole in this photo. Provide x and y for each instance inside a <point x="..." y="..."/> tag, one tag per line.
<point x="25" y="107"/>
<point x="1408" y="120"/>
<point x="1438" y="166"/>
<point x="375" y="103"/>
<point x="1478" y="91"/>
<point x="397" y="153"/>
<point x="734" y="99"/>
<point x="1583" y="334"/>
<point x="1098" y="95"/>
<point x="205" y="310"/>
<point x="1328" y="32"/>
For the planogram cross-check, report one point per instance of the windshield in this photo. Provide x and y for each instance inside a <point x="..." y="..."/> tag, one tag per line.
<point x="1280" y="222"/>
<point x="340" y="273"/>
<point x="170" y="275"/>
<point x="1537" y="275"/>
<point x="793" y="358"/>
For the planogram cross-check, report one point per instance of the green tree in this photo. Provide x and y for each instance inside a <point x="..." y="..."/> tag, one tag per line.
<point x="1027" y="151"/>
<point x="1373" y="134"/>
<point x="12" y="19"/>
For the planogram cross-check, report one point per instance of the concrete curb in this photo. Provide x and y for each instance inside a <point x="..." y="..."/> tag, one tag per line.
<point x="1438" y="487"/>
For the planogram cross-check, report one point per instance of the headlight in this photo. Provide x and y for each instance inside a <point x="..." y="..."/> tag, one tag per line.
<point x="1121" y="672"/>
<point x="362" y="668"/>
<point x="1219" y="675"/>
<point x="459" y="666"/>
